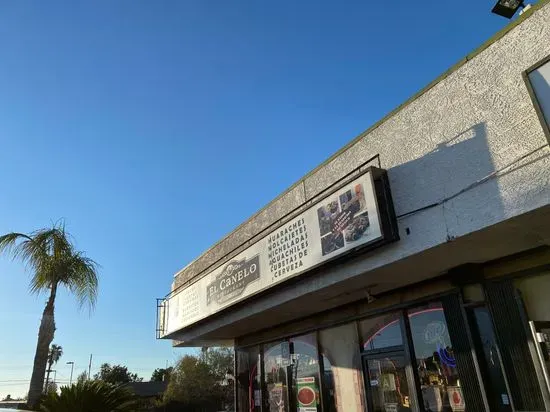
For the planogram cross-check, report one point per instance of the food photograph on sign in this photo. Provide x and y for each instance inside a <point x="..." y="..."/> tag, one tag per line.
<point x="343" y="219"/>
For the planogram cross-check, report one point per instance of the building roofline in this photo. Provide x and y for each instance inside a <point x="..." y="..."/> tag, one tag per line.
<point x="493" y="39"/>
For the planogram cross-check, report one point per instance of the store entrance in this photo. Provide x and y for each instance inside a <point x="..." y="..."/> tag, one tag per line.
<point x="409" y="362"/>
<point x="488" y="356"/>
<point x="389" y="388"/>
<point x="291" y="375"/>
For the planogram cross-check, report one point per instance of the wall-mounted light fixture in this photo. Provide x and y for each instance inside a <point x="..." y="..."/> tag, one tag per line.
<point x="507" y="8"/>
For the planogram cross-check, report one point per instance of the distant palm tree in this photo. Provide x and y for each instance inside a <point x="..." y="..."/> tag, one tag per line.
<point x="54" y="262"/>
<point x="53" y="357"/>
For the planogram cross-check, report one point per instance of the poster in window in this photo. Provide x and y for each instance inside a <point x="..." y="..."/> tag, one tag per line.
<point x="277" y="397"/>
<point x="307" y="394"/>
<point x="455" y="398"/>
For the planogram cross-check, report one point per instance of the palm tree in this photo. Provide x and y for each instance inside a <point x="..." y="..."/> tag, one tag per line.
<point x="53" y="357"/>
<point x="54" y="262"/>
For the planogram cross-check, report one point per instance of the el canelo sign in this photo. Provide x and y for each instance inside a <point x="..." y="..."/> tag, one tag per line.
<point x="358" y="214"/>
<point x="232" y="280"/>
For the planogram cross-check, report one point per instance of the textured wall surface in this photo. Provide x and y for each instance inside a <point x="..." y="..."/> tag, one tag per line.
<point x="478" y="121"/>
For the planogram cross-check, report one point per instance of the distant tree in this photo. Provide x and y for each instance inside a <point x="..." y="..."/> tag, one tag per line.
<point x="7" y="398"/>
<point x="83" y="377"/>
<point x="161" y="374"/>
<point x="55" y="263"/>
<point x="191" y="383"/>
<point x="116" y="374"/>
<point x="199" y="382"/>
<point x="220" y="362"/>
<point x="54" y="355"/>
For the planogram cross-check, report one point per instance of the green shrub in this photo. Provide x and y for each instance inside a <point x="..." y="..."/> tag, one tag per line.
<point x="89" y="396"/>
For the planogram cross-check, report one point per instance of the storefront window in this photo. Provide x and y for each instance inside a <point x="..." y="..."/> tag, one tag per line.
<point x="248" y="379"/>
<point x="389" y="388"/>
<point x="276" y="363"/>
<point x="343" y="388"/>
<point x="385" y="363"/>
<point x="437" y="371"/>
<point x="381" y="332"/>
<point x="304" y="369"/>
<point x="534" y="294"/>
<point x="291" y="375"/>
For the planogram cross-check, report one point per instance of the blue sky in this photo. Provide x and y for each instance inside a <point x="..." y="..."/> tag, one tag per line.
<point x="154" y="128"/>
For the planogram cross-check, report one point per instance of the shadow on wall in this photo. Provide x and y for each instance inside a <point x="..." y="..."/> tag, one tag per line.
<point x="456" y="177"/>
<point x="451" y="176"/>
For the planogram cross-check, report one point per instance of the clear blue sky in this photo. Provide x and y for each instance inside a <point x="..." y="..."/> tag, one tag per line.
<point x="154" y="128"/>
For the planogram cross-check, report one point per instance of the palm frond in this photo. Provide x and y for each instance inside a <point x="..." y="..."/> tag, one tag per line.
<point x="83" y="281"/>
<point x="51" y="256"/>
<point x="13" y="243"/>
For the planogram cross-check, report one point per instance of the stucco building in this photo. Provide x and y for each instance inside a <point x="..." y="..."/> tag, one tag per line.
<point x="411" y="270"/>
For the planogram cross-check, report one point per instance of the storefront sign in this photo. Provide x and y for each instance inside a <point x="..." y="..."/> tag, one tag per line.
<point x="232" y="280"/>
<point x="343" y="221"/>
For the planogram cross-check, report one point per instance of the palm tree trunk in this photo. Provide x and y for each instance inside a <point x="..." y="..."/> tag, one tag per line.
<point x="48" y="370"/>
<point x="45" y="338"/>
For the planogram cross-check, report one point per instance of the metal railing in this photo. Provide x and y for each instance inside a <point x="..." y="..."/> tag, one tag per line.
<point x="161" y="317"/>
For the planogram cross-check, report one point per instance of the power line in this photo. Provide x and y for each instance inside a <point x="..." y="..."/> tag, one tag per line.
<point x="496" y="173"/>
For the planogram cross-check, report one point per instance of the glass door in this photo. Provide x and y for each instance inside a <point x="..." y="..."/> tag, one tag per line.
<point x="275" y="372"/>
<point x="291" y="375"/>
<point x="388" y="385"/>
<point x="489" y="358"/>
<point x="437" y="369"/>
<point x="389" y="377"/>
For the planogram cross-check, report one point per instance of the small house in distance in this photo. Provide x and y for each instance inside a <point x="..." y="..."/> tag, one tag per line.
<point x="147" y="392"/>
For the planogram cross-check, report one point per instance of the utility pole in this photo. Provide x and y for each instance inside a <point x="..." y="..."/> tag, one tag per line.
<point x="47" y="379"/>
<point x="90" y="367"/>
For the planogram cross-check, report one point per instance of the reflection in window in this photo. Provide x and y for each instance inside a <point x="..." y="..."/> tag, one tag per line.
<point x="275" y="377"/>
<point x="304" y="371"/>
<point x="248" y="379"/>
<point x="388" y="383"/>
<point x="291" y="375"/>
<point x="437" y="369"/>
<point x="343" y="382"/>
<point x="381" y="332"/>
